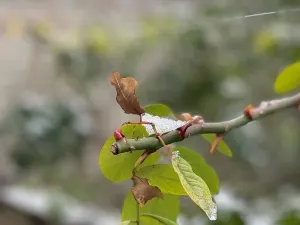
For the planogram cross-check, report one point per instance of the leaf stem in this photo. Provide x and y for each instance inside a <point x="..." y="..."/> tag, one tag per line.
<point x="168" y="150"/>
<point x="137" y="214"/>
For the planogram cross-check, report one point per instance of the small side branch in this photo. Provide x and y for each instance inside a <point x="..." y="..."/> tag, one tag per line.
<point x="251" y="113"/>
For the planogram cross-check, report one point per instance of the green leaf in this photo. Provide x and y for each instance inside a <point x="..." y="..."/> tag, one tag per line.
<point x="159" y="219"/>
<point x="222" y="146"/>
<point x="201" y="168"/>
<point x="194" y="186"/>
<point x="134" y="131"/>
<point x="127" y="222"/>
<point x="160" y="110"/>
<point x="118" y="168"/>
<point x="167" y="207"/>
<point x="288" y="79"/>
<point x="164" y="177"/>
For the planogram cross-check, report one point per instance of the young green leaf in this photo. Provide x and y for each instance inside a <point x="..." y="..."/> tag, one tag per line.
<point x="222" y="146"/>
<point x="194" y="186"/>
<point x="167" y="207"/>
<point x="200" y="168"/>
<point x="118" y="168"/>
<point x="164" y="177"/>
<point x="288" y="79"/>
<point x="161" y="220"/>
<point x="160" y="110"/>
<point x="134" y="131"/>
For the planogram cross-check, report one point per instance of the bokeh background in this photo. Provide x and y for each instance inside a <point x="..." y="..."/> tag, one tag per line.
<point x="57" y="107"/>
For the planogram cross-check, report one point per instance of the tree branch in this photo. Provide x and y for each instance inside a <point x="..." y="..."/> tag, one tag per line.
<point x="264" y="109"/>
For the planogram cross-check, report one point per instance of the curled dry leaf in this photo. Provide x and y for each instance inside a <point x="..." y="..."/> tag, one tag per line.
<point x="126" y="97"/>
<point x="143" y="192"/>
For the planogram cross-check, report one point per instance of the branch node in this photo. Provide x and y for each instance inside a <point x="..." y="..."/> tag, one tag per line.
<point x="248" y="111"/>
<point x="191" y="121"/>
<point x="118" y="135"/>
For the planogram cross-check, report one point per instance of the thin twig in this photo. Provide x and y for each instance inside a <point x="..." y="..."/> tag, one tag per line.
<point x="137" y="214"/>
<point x="264" y="109"/>
<point x="168" y="150"/>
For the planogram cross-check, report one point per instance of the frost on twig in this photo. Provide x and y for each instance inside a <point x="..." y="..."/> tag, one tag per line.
<point x="162" y="125"/>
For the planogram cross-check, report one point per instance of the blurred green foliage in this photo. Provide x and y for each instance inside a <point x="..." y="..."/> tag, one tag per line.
<point x="45" y="134"/>
<point x="229" y="218"/>
<point x="290" y="218"/>
<point x="80" y="55"/>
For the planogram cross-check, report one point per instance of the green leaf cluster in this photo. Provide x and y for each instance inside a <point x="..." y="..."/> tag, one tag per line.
<point x="189" y="174"/>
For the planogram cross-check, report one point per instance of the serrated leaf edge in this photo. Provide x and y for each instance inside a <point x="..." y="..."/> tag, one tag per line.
<point x="211" y="212"/>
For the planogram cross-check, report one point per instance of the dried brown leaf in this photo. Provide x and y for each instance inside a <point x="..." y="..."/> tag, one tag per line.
<point x="143" y="192"/>
<point x="126" y="97"/>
